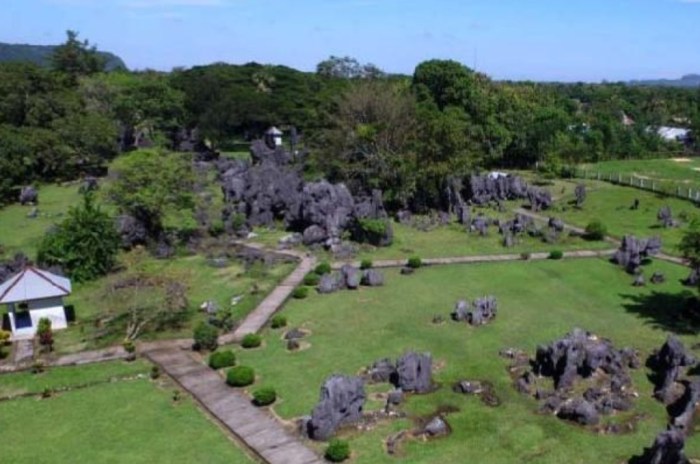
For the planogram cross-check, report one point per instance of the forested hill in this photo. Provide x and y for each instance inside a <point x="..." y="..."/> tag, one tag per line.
<point x="41" y="55"/>
<point x="689" y="80"/>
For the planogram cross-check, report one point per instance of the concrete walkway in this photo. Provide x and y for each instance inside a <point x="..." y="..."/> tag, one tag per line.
<point x="259" y="431"/>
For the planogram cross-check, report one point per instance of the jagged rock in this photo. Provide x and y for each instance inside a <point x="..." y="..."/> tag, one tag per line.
<point x="693" y="279"/>
<point x="90" y="184"/>
<point x="482" y="311"/>
<point x="639" y="281"/>
<point x="132" y="231"/>
<point x="28" y="195"/>
<point x="293" y="344"/>
<point x="539" y="199"/>
<point x="667" y="363"/>
<point x="404" y="217"/>
<point x="372" y="278"/>
<point x="10" y="267"/>
<point x="495" y="187"/>
<point x="415" y="372"/>
<point x="436" y="427"/>
<point x="480" y="224"/>
<point x="352" y="276"/>
<point x="658" y="278"/>
<point x="461" y="311"/>
<point x="341" y="403"/>
<point x="580" y="194"/>
<point x="580" y="411"/>
<point x="666" y="217"/>
<point x="330" y="283"/>
<point x="667" y="449"/>
<point x="290" y="240"/>
<point x="632" y="251"/>
<point x="314" y="234"/>
<point x="468" y="387"/>
<point x="556" y="224"/>
<point x="684" y="409"/>
<point x="383" y="370"/>
<point x="294" y="334"/>
<point x="395" y="397"/>
<point x="407" y="270"/>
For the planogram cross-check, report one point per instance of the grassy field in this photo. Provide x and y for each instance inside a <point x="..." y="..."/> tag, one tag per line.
<point x="130" y="421"/>
<point x="20" y="233"/>
<point x="611" y="205"/>
<point x="665" y="172"/>
<point x="538" y="302"/>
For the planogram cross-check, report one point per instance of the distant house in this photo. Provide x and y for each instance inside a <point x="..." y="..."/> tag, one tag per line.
<point x="674" y="134"/>
<point x="626" y="120"/>
<point x="273" y="137"/>
<point x="33" y="294"/>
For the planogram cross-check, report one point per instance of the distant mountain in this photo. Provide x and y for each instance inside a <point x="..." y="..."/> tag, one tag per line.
<point x="41" y="55"/>
<point x="689" y="80"/>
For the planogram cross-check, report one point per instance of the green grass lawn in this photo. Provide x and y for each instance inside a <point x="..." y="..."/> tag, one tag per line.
<point x="611" y="205"/>
<point x="19" y="233"/>
<point x="538" y="303"/>
<point x="665" y="172"/>
<point x="126" y="421"/>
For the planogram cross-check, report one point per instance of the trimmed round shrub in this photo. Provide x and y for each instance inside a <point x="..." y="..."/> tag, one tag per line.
<point x="556" y="254"/>
<point x="251" y="341"/>
<point x="264" y="396"/>
<point x="312" y="279"/>
<point x="278" y="321"/>
<point x="414" y="262"/>
<point x="221" y="359"/>
<point x="300" y="293"/>
<point x="596" y="230"/>
<point x="323" y="268"/>
<point x="366" y="264"/>
<point x="240" y="376"/>
<point x="338" y="450"/>
<point x="206" y="337"/>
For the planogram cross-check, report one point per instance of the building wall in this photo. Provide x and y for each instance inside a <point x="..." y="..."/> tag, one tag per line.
<point x="51" y="308"/>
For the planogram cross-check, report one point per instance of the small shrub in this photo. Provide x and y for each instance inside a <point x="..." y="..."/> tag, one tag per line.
<point x="4" y="337"/>
<point x="129" y="346"/>
<point x="251" y="341"/>
<point x="177" y="396"/>
<point x="596" y="230"/>
<point x="45" y="333"/>
<point x="300" y="293"/>
<point x="38" y="367"/>
<point x="278" y="321"/>
<point x="264" y="396"/>
<point x="238" y="221"/>
<point x="155" y="372"/>
<point x="240" y="376"/>
<point x="205" y="337"/>
<point x="556" y="254"/>
<point x="525" y="255"/>
<point x="217" y="228"/>
<point x="312" y="279"/>
<point x="366" y="264"/>
<point x="338" y="450"/>
<point x="221" y="359"/>
<point x="414" y="262"/>
<point x="47" y="393"/>
<point x="323" y="268"/>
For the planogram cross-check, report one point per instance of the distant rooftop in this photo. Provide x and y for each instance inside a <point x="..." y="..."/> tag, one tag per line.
<point x="33" y="284"/>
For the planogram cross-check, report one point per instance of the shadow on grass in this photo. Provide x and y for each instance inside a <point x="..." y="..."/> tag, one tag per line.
<point x="674" y="312"/>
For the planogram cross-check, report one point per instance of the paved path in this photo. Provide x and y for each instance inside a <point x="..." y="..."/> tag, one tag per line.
<point x="272" y="303"/>
<point x="263" y="434"/>
<point x="23" y="351"/>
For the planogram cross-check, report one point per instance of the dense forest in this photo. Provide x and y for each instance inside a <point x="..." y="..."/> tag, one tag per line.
<point x="402" y="134"/>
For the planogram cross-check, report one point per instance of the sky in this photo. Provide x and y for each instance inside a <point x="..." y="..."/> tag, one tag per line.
<point x="545" y="40"/>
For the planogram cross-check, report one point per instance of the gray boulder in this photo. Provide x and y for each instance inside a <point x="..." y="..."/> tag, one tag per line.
<point x="579" y="411"/>
<point x="28" y="195"/>
<point x="372" y="278"/>
<point x="330" y="283"/>
<point x="352" y="276"/>
<point x="436" y="427"/>
<point x="342" y="401"/>
<point x="667" y="449"/>
<point x="132" y="231"/>
<point x="667" y="363"/>
<point x="383" y="370"/>
<point x="314" y="234"/>
<point x="415" y="372"/>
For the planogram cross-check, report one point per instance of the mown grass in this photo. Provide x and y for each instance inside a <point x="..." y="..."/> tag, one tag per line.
<point x="538" y="302"/>
<point x="665" y="172"/>
<point x="127" y="421"/>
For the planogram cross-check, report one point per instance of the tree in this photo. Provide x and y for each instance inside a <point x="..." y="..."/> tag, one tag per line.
<point x="75" y="58"/>
<point x="690" y="244"/>
<point x="85" y="244"/>
<point x="153" y="186"/>
<point x="347" y="68"/>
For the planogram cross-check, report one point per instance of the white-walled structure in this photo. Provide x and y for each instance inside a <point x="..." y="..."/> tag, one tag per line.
<point x="33" y="294"/>
<point x="273" y="137"/>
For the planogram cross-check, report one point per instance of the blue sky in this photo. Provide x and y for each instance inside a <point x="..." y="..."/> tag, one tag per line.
<point x="566" y="40"/>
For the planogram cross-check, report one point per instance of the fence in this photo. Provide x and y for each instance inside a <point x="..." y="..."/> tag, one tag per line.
<point x="683" y="192"/>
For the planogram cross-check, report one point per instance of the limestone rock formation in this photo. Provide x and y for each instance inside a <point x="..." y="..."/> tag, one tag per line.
<point x="633" y="250"/>
<point x="481" y="312"/>
<point x="28" y="195"/>
<point x="342" y="401"/>
<point x="667" y="364"/>
<point x="414" y="372"/>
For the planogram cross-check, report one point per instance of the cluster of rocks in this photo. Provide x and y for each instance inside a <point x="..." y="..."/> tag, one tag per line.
<point x="341" y="403"/>
<point x="580" y="195"/>
<point x="13" y="266"/>
<point x="693" y="279"/>
<point x="540" y="199"/>
<point x="411" y="373"/>
<point x="633" y="251"/>
<point x="293" y="338"/>
<point x="272" y="189"/>
<point x="349" y="277"/>
<point x="514" y="227"/>
<point x="666" y="217"/>
<point x="482" y="389"/>
<point x="580" y="356"/>
<point x="481" y="312"/>
<point x="682" y="399"/>
<point x="484" y="189"/>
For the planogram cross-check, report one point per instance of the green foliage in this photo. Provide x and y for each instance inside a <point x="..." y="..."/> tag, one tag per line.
<point x="240" y="376"/>
<point x="596" y="230"/>
<point x="311" y="279"/>
<point x="556" y="254"/>
<point x="251" y="340"/>
<point x="264" y="396"/>
<point x="278" y="321"/>
<point x="44" y="333"/>
<point x="238" y="221"/>
<point x="323" y="268"/>
<point x="217" y="228"/>
<point x="155" y="372"/>
<point x="85" y="244"/>
<point x="76" y="59"/>
<point x="300" y="293"/>
<point x="525" y="255"/>
<point x="4" y="336"/>
<point x="414" y="262"/>
<point x="129" y="346"/>
<point x="372" y="230"/>
<point x="221" y="359"/>
<point x="337" y="450"/>
<point x="205" y="337"/>
<point x="366" y="264"/>
<point x="690" y="244"/>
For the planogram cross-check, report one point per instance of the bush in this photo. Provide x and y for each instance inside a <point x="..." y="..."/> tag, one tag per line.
<point x="264" y="396"/>
<point x="206" y="337"/>
<point x="366" y="264"/>
<point x="251" y="341"/>
<point x="323" y="268"/>
<point x="155" y="372"/>
<point x="338" y="450"/>
<point x="556" y="254"/>
<point x="240" y="376"/>
<point x="525" y="255"/>
<point x="312" y="279"/>
<point x="45" y="333"/>
<point x="238" y="221"/>
<point x="596" y="230"/>
<point x="129" y="346"/>
<point x="300" y="293"/>
<point x="414" y="262"/>
<point x="221" y="359"/>
<point x="217" y="228"/>
<point x="278" y="321"/>
<point x="4" y="336"/>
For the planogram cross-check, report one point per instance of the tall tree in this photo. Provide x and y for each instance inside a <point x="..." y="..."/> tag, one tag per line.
<point x="75" y="58"/>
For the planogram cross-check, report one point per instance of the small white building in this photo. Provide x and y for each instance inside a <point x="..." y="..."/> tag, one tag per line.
<point x="673" y="134"/>
<point x="273" y="137"/>
<point x="33" y="294"/>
